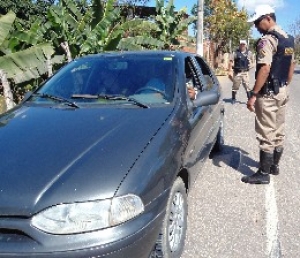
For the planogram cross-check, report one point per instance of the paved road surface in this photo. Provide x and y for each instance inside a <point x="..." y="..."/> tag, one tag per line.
<point x="231" y="219"/>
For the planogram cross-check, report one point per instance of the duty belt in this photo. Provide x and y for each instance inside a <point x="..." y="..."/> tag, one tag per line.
<point x="269" y="89"/>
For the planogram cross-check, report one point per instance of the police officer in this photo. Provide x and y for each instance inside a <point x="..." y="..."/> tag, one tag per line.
<point x="274" y="70"/>
<point x="239" y="66"/>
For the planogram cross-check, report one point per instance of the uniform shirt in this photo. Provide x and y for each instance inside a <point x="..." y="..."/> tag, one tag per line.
<point x="267" y="46"/>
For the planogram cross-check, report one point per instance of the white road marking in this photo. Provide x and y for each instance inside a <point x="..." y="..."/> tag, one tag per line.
<point x="273" y="244"/>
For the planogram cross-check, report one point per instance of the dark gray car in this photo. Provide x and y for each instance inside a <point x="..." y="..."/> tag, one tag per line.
<point x="98" y="161"/>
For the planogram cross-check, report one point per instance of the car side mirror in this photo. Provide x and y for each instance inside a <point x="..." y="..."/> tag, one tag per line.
<point x="206" y="98"/>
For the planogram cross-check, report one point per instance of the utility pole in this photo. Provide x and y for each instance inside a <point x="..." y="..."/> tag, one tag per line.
<point x="199" y="43"/>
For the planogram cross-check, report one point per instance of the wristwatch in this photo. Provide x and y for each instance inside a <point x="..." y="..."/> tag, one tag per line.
<point x="253" y="93"/>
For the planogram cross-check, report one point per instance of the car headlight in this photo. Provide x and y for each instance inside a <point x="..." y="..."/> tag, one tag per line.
<point x="88" y="216"/>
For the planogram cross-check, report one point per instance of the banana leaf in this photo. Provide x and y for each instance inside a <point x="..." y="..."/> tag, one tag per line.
<point x="27" y="64"/>
<point x="6" y="22"/>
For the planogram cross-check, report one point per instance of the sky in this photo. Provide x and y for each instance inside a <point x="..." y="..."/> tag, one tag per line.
<point x="287" y="11"/>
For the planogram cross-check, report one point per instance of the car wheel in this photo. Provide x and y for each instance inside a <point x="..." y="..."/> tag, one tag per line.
<point x="219" y="144"/>
<point x="170" y="242"/>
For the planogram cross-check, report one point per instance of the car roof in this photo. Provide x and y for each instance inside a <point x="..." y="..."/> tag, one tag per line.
<point x="141" y="53"/>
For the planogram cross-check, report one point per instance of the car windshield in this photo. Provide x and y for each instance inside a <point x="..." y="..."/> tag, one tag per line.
<point x="112" y="80"/>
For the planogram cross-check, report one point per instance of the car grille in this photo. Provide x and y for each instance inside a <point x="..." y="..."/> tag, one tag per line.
<point x="13" y="236"/>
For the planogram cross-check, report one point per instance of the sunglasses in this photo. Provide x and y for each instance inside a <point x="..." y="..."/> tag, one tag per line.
<point x="259" y="20"/>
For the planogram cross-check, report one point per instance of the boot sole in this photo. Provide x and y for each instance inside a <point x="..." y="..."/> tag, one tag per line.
<point x="257" y="183"/>
<point x="262" y="182"/>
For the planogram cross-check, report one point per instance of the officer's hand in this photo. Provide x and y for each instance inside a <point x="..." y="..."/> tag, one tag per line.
<point x="250" y="104"/>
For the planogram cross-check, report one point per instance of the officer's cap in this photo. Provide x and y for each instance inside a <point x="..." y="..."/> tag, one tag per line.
<point x="260" y="11"/>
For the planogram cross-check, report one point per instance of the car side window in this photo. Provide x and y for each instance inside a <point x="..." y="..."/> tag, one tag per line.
<point x="192" y="72"/>
<point x="189" y="83"/>
<point x="206" y="72"/>
<point x="193" y="80"/>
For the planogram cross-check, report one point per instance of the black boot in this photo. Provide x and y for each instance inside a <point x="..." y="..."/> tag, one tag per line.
<point x="248" y="94"/>
<point x="262" y="175"/>
<point x="233" y="97"/>
<point x="274" y="170"/>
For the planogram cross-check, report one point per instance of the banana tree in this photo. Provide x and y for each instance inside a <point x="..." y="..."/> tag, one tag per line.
<point x="173" y="26"/>
<point x="66" y="25"/>
<point x="96" y="28"/>
<point x="22" y="65"/>
<point x="102" y="34"/>
<point x="139" y="35"/>
<point x="114" y="31"/>
<point x="81" y="29"/>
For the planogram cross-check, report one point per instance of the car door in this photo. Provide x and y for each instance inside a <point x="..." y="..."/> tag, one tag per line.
<point x="200" y="122"/>
<point x="211" y="83"/>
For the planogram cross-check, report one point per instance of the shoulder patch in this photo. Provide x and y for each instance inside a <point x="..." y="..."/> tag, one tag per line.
<point x="261" y="53"/>
<point x="288" y="51"/>
<point x="262" y="43"/>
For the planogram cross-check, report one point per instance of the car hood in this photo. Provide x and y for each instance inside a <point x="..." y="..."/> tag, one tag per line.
<point x="52" y="155"/>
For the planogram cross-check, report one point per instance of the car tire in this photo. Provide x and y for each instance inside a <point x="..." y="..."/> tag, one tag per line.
<point x="219" y="144"/>
<point x="170" y="241"/>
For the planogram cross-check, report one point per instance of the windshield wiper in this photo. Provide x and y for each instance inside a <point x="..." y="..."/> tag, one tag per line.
<point x="109" y="97"/>
<point x="136" y="102"/>
<point x="60" y="99"/>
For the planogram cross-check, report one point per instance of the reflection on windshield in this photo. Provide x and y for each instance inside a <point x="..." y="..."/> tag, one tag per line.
<point x="6" y="118"/>
<point x="146" y="80"/>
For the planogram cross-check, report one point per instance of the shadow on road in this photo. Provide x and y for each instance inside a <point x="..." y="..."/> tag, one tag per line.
<point x="235" y="158"/>
<point x="236" y="102"/>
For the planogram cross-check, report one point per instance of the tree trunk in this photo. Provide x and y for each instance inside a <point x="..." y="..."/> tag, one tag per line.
<point x="49" y="66"/>
<point x="200" y="28"/>
<point x="7" y="92"/>
<point x="65" y="46"/>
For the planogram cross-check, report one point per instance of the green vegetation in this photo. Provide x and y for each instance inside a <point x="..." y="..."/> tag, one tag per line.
<point x="38" y="37"/>
<point x="224" y="26"/>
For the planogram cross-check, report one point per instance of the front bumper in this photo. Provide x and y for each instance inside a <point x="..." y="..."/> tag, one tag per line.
<point x="133" y="239"/>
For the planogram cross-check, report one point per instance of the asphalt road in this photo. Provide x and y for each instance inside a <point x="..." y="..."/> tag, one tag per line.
<point x="230" y="219"/>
